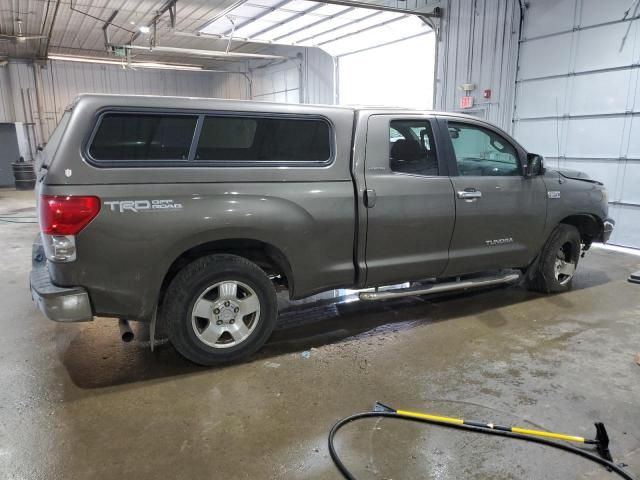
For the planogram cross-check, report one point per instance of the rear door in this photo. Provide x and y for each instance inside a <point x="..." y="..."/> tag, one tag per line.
<point x="500" y="213"/>
<point x="409" y="200"/>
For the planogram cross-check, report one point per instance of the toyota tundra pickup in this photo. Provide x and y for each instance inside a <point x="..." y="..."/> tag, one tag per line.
<point x="192" y="213"/>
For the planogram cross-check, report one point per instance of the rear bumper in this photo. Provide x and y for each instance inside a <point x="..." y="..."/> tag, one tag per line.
<point x="61" y="304"/>
<point x="609" y="225"/>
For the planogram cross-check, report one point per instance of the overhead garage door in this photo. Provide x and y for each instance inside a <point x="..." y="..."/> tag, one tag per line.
<point x="578" y="97"/>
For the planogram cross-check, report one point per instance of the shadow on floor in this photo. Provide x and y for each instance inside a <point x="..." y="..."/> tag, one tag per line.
<point x="95" y="357"/>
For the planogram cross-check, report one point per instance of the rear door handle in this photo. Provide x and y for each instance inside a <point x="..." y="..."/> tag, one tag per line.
<point x="469" y="194"/>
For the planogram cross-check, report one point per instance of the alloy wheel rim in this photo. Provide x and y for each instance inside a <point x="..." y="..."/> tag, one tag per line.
<point x="564" y="267"/>
<point x="225" y="314"/>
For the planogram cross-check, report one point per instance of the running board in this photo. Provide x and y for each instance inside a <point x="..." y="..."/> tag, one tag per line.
<point x="441" y="287"/>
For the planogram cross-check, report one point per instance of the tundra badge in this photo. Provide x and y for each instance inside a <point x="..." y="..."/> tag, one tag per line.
<point x="498" y="241"/>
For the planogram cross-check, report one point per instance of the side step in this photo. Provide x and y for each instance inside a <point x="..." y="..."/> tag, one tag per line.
<point x="441" y="287"/>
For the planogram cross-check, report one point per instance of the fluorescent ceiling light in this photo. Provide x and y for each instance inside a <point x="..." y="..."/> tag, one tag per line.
<point x="143" y="29"/>
<point x="122" y="63"/>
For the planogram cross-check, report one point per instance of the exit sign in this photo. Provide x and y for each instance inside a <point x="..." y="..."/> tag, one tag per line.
<point x="466" y="102"/>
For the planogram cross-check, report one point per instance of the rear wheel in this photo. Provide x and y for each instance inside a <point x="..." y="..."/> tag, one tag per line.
<point x="554" y="269"/>
<point x="219" y="308"/>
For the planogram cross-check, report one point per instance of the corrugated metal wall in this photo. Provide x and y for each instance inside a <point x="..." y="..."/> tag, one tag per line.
<point x="62" y="81"/>
<point x="318" y="77"/>
<point x="306" y="78"/>
<point x="478" y="44"/>
<point x="6" y="96"/>
<point x="578" y="101"/>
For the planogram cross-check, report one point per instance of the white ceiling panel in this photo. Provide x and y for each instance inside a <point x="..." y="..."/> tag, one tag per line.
<point x="314" y="31"/>
<point x="299" y="5"/>
<point x="392" y="31"/>
<point x="357" y="13"/>
<point x="369" y="20"/>
<point x="337" y="29"/>
<point x="290" y="26"/>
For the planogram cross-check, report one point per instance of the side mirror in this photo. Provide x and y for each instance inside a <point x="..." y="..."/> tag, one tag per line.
<point x="535" y="165"/>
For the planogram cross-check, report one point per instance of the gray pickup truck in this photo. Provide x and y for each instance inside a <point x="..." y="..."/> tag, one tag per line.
<point x="192" y="213"/>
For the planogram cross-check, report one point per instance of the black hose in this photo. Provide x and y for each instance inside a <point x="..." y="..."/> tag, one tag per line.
<point x="562" y="446"/>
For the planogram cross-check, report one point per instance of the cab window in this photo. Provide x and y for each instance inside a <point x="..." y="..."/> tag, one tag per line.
<point x="412" y="148"/>
<point x="481" y="152"/>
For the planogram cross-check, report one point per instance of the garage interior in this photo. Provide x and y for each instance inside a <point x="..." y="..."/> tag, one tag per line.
<point x="561" y="76"/>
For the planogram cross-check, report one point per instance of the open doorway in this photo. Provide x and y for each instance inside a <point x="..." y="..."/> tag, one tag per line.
<point x="393" y="74"/>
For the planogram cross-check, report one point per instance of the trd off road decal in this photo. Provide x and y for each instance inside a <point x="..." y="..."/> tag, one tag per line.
<point x="141" y="206"/>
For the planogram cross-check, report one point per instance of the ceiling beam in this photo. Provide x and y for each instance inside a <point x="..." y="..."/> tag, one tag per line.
<point x="201" y="53"/>
<point x="436" y="13"/>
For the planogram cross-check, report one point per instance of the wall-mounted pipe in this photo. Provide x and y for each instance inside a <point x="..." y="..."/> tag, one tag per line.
<point x="53" y="21"/>
<point x="27" y="124"/>
<point x="38" y="134"/>
<point x="37" y="77"/>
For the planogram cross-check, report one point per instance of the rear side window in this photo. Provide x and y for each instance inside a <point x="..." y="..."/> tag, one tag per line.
<point x="253" y="139"/>
<point x="126" y="136"/>
<point x="412" y="148"/>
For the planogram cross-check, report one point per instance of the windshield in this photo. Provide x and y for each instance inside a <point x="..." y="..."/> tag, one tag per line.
<point x="44" y="157"/>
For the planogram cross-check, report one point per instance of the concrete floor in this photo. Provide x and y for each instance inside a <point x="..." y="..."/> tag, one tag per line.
<point x="76" y="403"/>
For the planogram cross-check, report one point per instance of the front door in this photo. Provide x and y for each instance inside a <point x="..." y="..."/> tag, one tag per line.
<point x="409" y="200"/>
<point x="500" y="213"/>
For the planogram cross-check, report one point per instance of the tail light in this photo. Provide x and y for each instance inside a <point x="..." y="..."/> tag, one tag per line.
<point x="61" y="218"/>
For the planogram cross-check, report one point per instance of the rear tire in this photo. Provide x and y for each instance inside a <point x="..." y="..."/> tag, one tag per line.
<point x="553" y="270"/>
<point x="219" y="309"/>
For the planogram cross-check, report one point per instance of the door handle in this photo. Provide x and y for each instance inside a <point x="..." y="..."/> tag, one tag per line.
<point x="469" y="194"/>
<point x="370" y="198"/>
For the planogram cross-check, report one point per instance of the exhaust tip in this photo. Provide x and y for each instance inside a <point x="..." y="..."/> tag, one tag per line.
<point x="127" y="337"/>
<point x="126" y="334"/>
